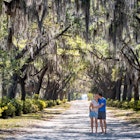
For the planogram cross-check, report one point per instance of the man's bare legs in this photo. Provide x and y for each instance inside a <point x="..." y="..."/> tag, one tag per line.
<point x="103" y="125"/>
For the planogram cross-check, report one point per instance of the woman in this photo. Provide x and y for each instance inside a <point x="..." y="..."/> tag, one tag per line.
<point x="93" y="112"/>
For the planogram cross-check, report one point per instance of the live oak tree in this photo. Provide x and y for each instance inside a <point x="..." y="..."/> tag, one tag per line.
<point x="53" y="43"/>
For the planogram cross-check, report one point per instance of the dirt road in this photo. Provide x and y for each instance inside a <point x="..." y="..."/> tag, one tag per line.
<point x="74" y="124"/>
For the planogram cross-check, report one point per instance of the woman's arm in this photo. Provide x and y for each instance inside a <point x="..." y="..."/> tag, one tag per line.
<point x="91" y="106"/>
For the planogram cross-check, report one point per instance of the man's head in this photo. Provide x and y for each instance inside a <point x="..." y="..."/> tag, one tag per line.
<point x="100" y="95"/>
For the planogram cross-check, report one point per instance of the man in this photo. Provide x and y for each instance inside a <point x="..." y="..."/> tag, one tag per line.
<point x="102" y="112"/>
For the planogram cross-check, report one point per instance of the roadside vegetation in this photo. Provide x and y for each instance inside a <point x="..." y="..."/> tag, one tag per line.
<point x="16" y="107"/>
<point x="18" y="124"/>
<point x="135" y="105"/>
<point x="126" y="110"/>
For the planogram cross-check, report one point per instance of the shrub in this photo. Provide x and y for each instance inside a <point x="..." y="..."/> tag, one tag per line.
<point x="4" y="101"/>
<point x="8" y="110"/>
<point x="54" y="102"/>
<point x="120" y="104"/>
<point x="137" y="105"/>
<point x="58" y="102"/>
<point x="131" y="104"/>
<point x="109" y="102"/>
<point x="40" y="103"/>
<point x="28" y="106"/>
<point x="64" y="100"/>
<point x="115" y="103"/>
<point x="34" y="108"/>
<point x="18" y="106"/>
<point x="125" y="105"/>
<point x="1" y="110"/>
<point x="36" y="96"/>
<point x="50" y="103"/>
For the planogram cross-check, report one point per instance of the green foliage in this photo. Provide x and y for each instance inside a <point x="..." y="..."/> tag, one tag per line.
<point x="34" y="108"/>
<point x="19" y="43"/>
<point x="8" y="111"/>
<point x="4" y="101"/>
<point x="1" y="110"/>
<point x="114" y="74"/>
<point x="125" y="105"/>
<point x="102" y="47"/>
<point x="135" y="105"/>
<point x="58" y="102"/>
<point x="18" y="104"/>
<point x="3" y="25"/>
<point x="40" y="103"/>
<point x="10" y="108"/>
<point x="14" y="105"/>
<point x="51" y="103"/>
<point x="29" y="107"/>
<point x="36" y="96"/>
<point x="64" y="100"/>
<point x="90" y="96"/>
<point x="109" y="102"/>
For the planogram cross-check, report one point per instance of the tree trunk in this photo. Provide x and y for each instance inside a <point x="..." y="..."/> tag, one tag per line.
<point x="136" y="91"/>
<point x="4" y="91"/>
<point x="13" y="87"/>
<point x="23" y="92"/>
<point x="118" y="89"/>
<point x="130" y="87"/>
<point x="37" y="89"/>
<point x="124" y="89"/>
<point x="54" y="91"/>
<point x="113" y="93"/>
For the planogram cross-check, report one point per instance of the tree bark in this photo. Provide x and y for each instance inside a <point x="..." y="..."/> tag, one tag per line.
<point x="23" y="92"/>
<point x="125" y="88"/>
<point x="130" y="87"/>
<point x="136" y="91"/>
<point x="113" y="92"/>
<point x="13" y="87"/>
<point x="4" y="91"/>
<point x="118" y="89"/>
<point x="37" y="89"/>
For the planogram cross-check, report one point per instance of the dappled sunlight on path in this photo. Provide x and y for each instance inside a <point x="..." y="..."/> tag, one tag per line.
<point x="74" y="124"/>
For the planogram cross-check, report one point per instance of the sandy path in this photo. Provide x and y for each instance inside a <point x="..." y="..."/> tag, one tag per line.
<point x="74" y="124"/>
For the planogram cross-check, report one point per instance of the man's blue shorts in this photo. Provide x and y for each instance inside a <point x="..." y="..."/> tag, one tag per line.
<point x="102" y="115"/>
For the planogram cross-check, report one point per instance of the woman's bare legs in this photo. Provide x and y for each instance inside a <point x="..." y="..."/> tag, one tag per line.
<point x="92" y="122"/>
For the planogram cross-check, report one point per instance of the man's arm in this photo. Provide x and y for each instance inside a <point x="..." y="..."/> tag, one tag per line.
<point x="99" y="106"/>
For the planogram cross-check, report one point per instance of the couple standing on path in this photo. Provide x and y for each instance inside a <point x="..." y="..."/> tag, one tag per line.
<point x="97" y="110"/>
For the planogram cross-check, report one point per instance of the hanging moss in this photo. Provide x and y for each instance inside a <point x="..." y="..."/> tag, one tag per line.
<point x="1" y="6"/>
